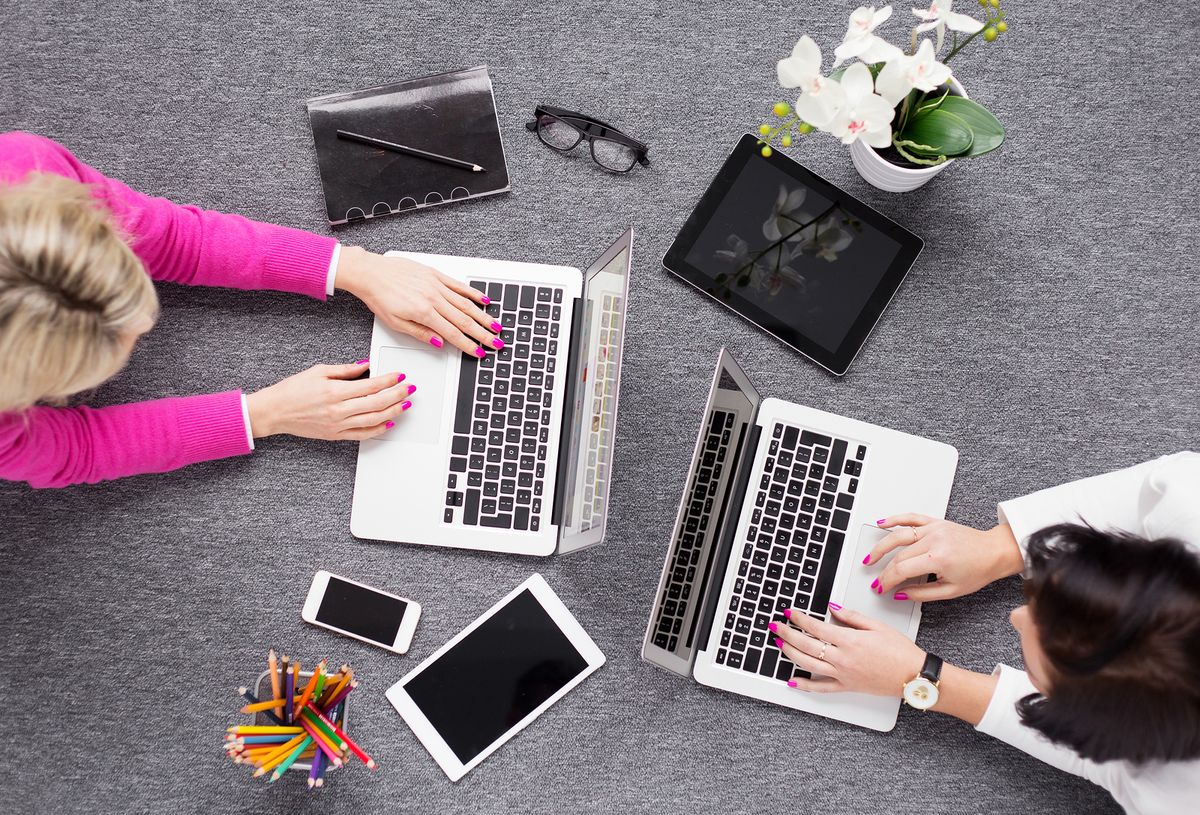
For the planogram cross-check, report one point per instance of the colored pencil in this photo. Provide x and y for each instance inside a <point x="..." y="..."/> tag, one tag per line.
<point x="276" y="681"/>
<point x="310" y="687"/>
<point x="320" y="688"/>
<point x="306" y="715"/>
<point x="265" y="705"/>
<point x="263" y="729"/>
<point x="354" y="748"/>
<point x="333" y="689"/>
<point x="337" y="698"/>
<point x="280" y="753"/>
<point x="289" y="683"/>
<point x="323" y="743"/>
<point x="255" y="702"/>
<point x="278" y="738"/>
<point x="289" y="761"/>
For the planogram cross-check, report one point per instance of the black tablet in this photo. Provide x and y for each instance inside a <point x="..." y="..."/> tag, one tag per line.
<point x="793" y="254"/>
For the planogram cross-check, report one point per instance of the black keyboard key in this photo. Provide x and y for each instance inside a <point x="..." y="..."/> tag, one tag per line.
<point x="789" y="437"/>
<point x="810" y="439"/>
<point x="841" y="519"/>
<point x="777" y="432"/>
<point x="854" y="468"/>
<point x="769" y="659"/>
<point x="845" y="501"/>
<point x="862" y="452"/>
<point x="528" y="293"/>
<point x="458" y="464"/>
<point x="466" y="394"/>
<point x="503" y="521"/>
<point x="837" y="456"/>
<point x="752" y="657"/>
<point x="833" y="550"/>
<point x="471" y="508"/>
<point x="820" y="455"/>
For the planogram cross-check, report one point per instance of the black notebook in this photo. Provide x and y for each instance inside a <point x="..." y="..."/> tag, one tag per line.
<point x="451" y="114"/>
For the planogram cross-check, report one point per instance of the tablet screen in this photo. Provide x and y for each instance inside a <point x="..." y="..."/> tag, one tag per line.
<point x="495" y="676"/>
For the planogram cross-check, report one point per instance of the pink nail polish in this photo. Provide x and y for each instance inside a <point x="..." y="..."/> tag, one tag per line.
<point x="787" y="612"/>
<point x="435" y="342"/>
<point x="835" y="607"/>
<point x="875" y="583"/>
<point x="406" y="406"/>
<point x="867" y="559"/>
<point x="487" y="301"/>
<point x="778" y="642"/>
<point x="479" y="352"/>
<point x="880" y="521"/>
<point x="497" y="343"/>
<point x="879" y="590"/>
<point x="389" y="424"/>
<point x="900" y="596"/>
<point x="497" y="327"/>
<point x="361" y="362"/>
<point x="772" y="628"/>
<point x="399" y="379"/>
<point x="791" y="683"/>
<point x="412" y="389"/>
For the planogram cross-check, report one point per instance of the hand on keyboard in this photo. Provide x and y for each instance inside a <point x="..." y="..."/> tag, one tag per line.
<point x="862" y="655"/>
<point x="963" y="559"/>
<point x="420" y="301"/>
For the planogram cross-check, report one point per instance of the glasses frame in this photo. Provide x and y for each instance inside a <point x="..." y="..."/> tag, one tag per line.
<point x="592" y="129"/>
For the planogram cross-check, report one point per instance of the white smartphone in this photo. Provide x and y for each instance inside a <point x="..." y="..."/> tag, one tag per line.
<point x="359" y="611"/>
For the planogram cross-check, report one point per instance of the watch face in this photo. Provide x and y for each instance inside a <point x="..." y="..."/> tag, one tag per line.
<point x="921" y="693"/>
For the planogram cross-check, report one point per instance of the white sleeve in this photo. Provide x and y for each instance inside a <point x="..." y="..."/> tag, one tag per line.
<point x="331" y="275"/>
<point x="246" y="419"/>
<point x="1125" y="499"/>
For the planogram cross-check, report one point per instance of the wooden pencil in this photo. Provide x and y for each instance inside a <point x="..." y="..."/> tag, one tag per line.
<point x="264" y="729"/>
<point x="258" y="705"/>
<point x="289" y="761"/>
<point x="309" y="688"/>
<point x="289" y="682"/>
<point x="265" y="705"/>
<point x="354" y="748"/>
<point x="332" y="690"/>
<point x="323" y="743"/>
<point x="341" y="695"/>
<point x="276" y="681"/>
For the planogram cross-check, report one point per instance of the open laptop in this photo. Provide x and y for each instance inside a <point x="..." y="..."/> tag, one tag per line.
<point x="778" y="512"/>
<point x="513" y="452"/>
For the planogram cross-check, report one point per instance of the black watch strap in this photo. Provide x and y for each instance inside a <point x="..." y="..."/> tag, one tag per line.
<point x="932" y="669"/>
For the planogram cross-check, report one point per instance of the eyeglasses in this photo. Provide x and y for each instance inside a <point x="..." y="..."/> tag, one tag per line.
<point x="563" y="130"/>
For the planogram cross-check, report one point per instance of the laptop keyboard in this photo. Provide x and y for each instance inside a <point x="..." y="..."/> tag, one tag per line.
<point x="789" y="557"/>
<point x="673" y="605"/>
<point x="498" y="456"/>
<point x="604" y="391"/>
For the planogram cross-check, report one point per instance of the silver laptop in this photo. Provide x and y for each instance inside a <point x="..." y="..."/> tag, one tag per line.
<point x="778" y="511"/>
<point x="513" y="452"/>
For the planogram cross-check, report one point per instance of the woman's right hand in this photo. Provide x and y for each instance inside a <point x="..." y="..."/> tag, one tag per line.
<point x="962" y="559"/>
<point x="329" y="402"/>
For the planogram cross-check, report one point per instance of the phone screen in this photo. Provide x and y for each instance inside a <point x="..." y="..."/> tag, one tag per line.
<point x="361" y="611"/>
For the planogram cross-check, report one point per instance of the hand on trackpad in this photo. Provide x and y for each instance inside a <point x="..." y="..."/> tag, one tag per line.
<point x="859" y="594"/>
<point x="424" y="367"/>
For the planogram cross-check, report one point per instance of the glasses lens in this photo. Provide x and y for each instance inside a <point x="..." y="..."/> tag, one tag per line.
<point x="613" y="155"/>
<point x="557" y="133"/>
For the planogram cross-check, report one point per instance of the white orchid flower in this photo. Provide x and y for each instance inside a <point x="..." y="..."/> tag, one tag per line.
<point x="940" y="16"/>
<point x="921" y="71"/>
<point x="820" y="96"/>
<point x="864" y="114"/>
<point x="860" y="40"/>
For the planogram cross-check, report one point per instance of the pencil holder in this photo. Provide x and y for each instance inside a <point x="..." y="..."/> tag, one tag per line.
<point x="299" y="722"/>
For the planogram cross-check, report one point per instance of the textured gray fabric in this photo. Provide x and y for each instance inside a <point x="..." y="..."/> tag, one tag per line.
<point x="1048" y="331"/>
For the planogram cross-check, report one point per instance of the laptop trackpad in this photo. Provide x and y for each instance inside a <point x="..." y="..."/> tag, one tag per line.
<point x="425" y="367"/>
<point x="859" y="594"/>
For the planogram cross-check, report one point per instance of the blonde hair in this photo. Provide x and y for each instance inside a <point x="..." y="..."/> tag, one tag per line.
<point x="71" y="292"/>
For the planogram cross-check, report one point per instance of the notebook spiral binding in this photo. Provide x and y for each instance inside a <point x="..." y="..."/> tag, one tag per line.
<point x="383" y="208"/>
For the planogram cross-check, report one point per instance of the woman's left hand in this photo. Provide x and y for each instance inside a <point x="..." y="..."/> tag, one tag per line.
<point x="860" y="656"/>
<point x="420" y="301"/>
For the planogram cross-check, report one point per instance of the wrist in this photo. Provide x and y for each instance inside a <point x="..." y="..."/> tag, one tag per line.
<point x="352" y="270"/>
<point x="258" y="407"/>
<point x="1008" y="557"/>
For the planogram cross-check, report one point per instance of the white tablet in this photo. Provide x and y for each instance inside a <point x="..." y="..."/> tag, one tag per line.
<point x="498" y="675"/>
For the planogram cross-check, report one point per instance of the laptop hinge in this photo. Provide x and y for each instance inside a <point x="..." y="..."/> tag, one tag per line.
<point x="575" y="355"/>
<point x="725" y="545"/>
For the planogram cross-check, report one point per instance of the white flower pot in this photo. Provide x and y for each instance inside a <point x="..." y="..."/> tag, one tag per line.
<point x="881" y="173"/>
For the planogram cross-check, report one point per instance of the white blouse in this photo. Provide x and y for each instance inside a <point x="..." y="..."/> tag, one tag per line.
<point x="1158" y="499"/>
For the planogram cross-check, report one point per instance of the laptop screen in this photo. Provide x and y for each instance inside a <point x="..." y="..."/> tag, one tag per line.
<point x="671" y="637"/>
<point x="594" y="414"/>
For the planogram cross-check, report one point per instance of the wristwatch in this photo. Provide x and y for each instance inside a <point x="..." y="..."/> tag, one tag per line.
<point x="921" y="691"/>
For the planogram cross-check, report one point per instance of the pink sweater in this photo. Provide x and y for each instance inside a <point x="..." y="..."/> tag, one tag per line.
<point x="54" y="447"/>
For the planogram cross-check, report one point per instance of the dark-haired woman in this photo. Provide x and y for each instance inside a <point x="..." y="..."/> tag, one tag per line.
<point x="1110" y="630"/>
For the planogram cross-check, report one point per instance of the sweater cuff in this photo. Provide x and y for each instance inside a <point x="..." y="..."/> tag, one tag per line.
<point x="211" y="427"/>
<point x="1001" y="715"/>
<point x="298" y="262"/>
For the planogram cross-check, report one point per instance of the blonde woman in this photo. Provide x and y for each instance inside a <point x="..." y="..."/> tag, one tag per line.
<point x="78" y="252"/>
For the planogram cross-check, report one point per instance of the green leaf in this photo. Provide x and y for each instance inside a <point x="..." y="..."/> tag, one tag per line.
<point x="900" y="146"/>
<point x="942" y="132"/>
<point x="986" y="128"/>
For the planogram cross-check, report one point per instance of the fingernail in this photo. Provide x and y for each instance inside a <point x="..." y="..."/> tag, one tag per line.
<point x="772" y="627"/>
<point x="389" y="424"/>
<point x="791" y="683"/>
<point x="487" y="301"/>
<point x="497" y="343"/>
<point x="778" y="642"/>
<point x="400" y="378"/>
<point x="497" y="327"/>
<point x="867" y="559"/>
<point x="406" y="406"/>
<point x="879" y="590"/>
<point x="412" y="389"/>
<point x="435" y="342"/>
<point x="875" y="583"/>
<point x="361" y="362"/>
<point x="479" y="352"/>
<point x="900" y="596"/>
<point x="880" y="521"/>
<point x="787" y="612"/>
<point x="835" y="607"/>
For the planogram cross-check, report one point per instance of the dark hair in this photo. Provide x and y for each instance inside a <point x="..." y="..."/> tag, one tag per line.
<point x="1118" y="617"/>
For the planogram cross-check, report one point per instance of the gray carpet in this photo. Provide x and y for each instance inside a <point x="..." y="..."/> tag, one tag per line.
<point x="1048" y="331"/>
